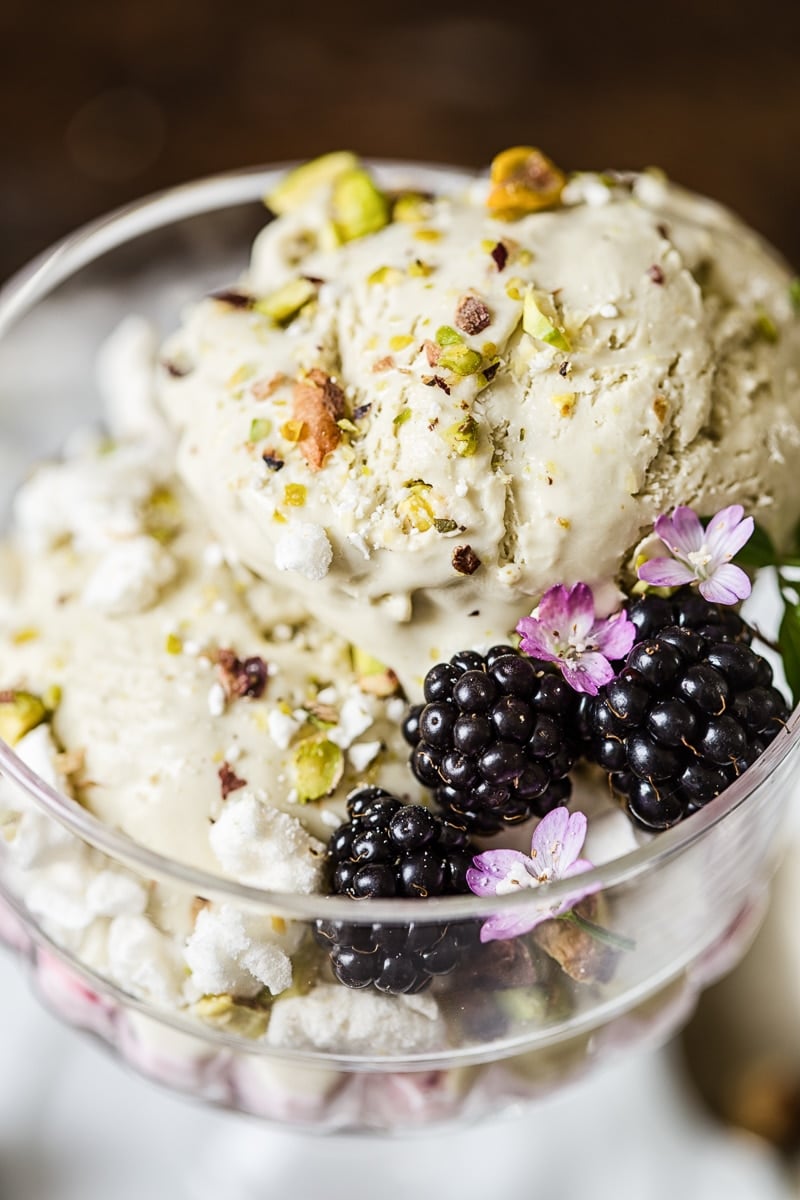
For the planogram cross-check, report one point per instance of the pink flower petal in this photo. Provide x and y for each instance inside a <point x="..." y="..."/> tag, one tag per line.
<point x="502" y="926"/>
<point x="722" y="524"/>
<point x="589" y="673"/>
<point x="726" y="541"/>
<point x="615" y="637"/>
<point x="551" y="830"/>
<point x="687" y="534"/>
<point x="665" y="572"/>
<point x="727" y="585"/>
<point x="491" y="868"/>
<point x="572" y="842"/>
<point x="555" y="611"/>
<point x="536" y="640"/>
<point x="581" y="611"/>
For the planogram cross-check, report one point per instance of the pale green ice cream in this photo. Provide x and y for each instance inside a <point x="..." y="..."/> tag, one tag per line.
<point x="654" y="363"/>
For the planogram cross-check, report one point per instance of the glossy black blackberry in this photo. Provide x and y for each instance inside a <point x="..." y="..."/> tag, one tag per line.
<point x="495" y="739"/>
<point x="391" y="849"/>
<point x="687" y="714"/>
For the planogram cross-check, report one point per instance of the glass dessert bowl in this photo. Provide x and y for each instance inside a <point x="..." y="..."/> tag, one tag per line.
<point x="617" y="962"/>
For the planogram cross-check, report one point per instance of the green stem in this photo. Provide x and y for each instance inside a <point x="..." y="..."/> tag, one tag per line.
<point x="616" y="941"/>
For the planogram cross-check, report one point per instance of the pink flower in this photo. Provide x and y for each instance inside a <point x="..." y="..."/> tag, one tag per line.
<point x="702" y="556"/>
<point x="556" y="844"/>
<point x="565" y="630"/>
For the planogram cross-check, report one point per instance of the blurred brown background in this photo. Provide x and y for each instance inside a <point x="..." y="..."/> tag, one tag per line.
<point x="102" y="102"/>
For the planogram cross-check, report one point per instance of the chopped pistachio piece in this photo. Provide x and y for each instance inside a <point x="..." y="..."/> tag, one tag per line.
<point x="359" y="208"/>
<point x="415" y="511"/>
<point x="20" y="712"/>
<point x="173" y="644"/>
<point x="295" y="494"/>
<point x="411" y="206"/>
<point x="287" y="301"/>
<point x="419" y="269"/>
<point x="401" y="418"/>
<point x="536" y="323"/>
<point x="223" y="1012"/>
<point x="385" y="275"/>
<point x="292" y="430"/>
<point x="444" y="525"/>
<point x="260" y="428"/>
<point x="347" y="426"/>
<point x="463" y="437"/>
<point x="447" y="336"/>
<point x="400" y="341"/>
<point x="318" y="765"/>
<point x="765" y="325"/>
<point x="523" y="181"/>
<point x="427" y="235"/>
<point x="300" y="184"/>
<point x="365" y="664"/>
<point x="460" y="360"/>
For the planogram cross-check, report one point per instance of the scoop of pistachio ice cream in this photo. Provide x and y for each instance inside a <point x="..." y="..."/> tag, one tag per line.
<point x="421" y="413"/>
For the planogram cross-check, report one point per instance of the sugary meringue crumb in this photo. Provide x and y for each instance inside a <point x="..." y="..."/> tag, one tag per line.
<point x="305" y="549"/>
<point x="143" y="961"/>
<point x="361" y="754"/>
<point x="282" y="727"/>
<point x="332" y="1017"/>
<point x="216" y="700"/>
<point x="130" y="576"/>
<point x="231" y="952"/>
<point x="259" y="844"/>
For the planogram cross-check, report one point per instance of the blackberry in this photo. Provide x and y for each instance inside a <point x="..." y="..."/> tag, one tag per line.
<point x="387" y="848"/>
<point x="496" y="737"/>
<point x="692" y="707"/>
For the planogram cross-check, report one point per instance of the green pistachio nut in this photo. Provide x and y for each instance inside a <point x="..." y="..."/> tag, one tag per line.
<point x="296" y="188"/>
<point x="20" y="712"/>
<point x="410" y="207"/>
<point x="359" y="207"/>
<point x="523" y="1004"/>
<point x="463" y="437"/>
<point x="223" y="1012"/>
<point x="260" y="428"/>
<point x="287" y="301"/>
<point x="460" y="360"/>
<point x="538" y="324"/>
<point x="318" y="765"/>
<point x="447" y="336"/>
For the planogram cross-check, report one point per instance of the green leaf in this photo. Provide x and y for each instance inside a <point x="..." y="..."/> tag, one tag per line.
<point x="789" y="645"/>
<point x="759" y="551"/>
<point x="794" y="294"/>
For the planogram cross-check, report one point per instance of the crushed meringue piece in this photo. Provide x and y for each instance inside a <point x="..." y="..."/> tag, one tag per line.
<point x="282" y="727"/>
<point x="228" y="953"/>
<point x="305" y="549"/>
<point x="361" y="754"/>
<point x="130" y="577"/>
<point x="143" y="961"/>
<point x="331" y="1017"/>
<point x="256" y="843"/>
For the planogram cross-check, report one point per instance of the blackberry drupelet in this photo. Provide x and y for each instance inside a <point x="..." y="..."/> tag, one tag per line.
<point x="691" y="709"/>
<point x="496" y="737"/>
<point x="391" y="849"/>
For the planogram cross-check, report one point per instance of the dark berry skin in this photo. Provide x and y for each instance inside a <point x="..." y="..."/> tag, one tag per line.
<point x="389" y="849"/>
<point x="691" y="708"/>
<point x="410" y="727"/>
<point x="495" y="736"/>
<point x="672" y="723"/>
<point x="436" y="724"/>
<point x="440" y="681"/>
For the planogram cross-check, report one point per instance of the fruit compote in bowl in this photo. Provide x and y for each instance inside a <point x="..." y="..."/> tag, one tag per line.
<point x="599" y="966"/>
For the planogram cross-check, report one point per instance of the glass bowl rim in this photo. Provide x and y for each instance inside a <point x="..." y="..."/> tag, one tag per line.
<point x="58" y="264"/>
